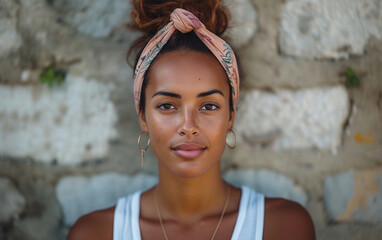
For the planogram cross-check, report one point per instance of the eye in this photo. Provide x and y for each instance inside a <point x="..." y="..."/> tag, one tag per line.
<point x="166" y="106"/>
<point x="210" y="107"/>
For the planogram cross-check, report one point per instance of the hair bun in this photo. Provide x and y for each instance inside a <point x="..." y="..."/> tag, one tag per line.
<point x="150" y="16"/>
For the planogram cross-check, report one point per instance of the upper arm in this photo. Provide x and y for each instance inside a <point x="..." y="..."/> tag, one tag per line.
<point x="301" y="225"/>
<point x="285" y="219"/>
<point x="93" y="226"/>
<point x="81" y="229"/>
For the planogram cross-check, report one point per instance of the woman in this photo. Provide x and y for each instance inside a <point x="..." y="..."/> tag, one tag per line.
<point x="186" y="88"/>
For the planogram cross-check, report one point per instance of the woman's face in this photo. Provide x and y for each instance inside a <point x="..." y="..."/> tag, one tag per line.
<point x="187" y="112"/>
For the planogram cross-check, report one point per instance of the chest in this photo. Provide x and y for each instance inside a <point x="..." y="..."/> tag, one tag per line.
<point x="201" y="230"/>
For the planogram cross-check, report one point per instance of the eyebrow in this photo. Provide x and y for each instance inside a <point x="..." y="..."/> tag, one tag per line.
<point x="204" y="94"/>
<point x="175" y="95"/>
<point x="169" y="94"/>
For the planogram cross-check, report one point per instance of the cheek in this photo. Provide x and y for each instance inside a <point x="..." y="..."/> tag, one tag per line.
<point x="160" y="126"/>
<point x="215" y="128"/>
<point x="219" y="120"/>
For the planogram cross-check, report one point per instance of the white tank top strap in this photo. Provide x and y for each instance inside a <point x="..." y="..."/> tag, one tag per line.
<point x="250" y="220"/>
<point x="126" y="218"/>
<point x="249" y="224"/>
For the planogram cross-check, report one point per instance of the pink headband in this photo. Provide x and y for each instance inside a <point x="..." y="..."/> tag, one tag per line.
<point x="185" y="22"/>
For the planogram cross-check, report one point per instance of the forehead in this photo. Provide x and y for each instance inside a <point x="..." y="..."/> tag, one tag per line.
<point x="187" y="71"/>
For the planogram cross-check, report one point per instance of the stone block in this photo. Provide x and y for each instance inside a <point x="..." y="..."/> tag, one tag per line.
<point x="338" y="190"/>
<point x="270" y="183"/>
<point x="243" y="24"/>
<point x="81" y="195"/>
<point x="293" y="119"/>
<point x="12" y="202"/>
<point x="10" y="39"/>
<point x="354" y="195"/>
<point x="71" y="123"/>
<point x="95" y="18"/>
<point x="329" y="29"/>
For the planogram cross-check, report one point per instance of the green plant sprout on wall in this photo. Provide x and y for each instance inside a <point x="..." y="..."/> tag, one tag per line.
<point x="52" y="76"/>
<point x="352" y="79"/>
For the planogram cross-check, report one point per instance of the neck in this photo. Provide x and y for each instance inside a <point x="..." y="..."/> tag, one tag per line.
<point x="191" y="198"/>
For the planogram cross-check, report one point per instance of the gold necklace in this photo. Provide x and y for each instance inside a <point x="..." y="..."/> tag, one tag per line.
<point x="217" y="227"/>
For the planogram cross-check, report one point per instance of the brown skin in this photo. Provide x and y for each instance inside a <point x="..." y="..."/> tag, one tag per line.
<point x="191" y="192"/>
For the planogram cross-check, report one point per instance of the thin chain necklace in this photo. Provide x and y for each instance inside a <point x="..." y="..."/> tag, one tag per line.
<point x="217" y="227"/>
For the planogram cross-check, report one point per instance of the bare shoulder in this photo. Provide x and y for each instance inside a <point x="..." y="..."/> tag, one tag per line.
<point x="286" y="219"/>
<point x="95" y="225"/>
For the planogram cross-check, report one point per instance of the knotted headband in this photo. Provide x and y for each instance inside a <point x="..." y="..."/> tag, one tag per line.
<point x="184" y="21"/>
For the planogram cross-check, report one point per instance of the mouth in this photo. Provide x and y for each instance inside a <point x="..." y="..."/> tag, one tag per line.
<point x="188" y="150"/>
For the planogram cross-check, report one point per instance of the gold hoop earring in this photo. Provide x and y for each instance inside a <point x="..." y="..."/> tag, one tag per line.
<point x="232" y="147"/>
<point x="142" y="150"/>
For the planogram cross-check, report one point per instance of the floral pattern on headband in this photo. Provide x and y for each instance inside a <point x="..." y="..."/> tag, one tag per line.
<point x="195" y="21"/>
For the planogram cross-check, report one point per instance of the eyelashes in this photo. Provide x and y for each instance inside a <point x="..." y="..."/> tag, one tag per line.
<point x="210" y="107"/>
<point x="167" y="106"/>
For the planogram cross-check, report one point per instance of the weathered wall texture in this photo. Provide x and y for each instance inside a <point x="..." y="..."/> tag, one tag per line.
<point x="62" y="124"/>
<point x="309" y="124"/>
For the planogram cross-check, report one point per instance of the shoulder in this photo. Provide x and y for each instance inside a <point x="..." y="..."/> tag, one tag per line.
<point x="95" y="225"/>
<point x="287" y="220"/>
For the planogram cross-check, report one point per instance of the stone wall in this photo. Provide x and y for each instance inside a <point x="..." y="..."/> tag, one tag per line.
<point x="309" y="123"/>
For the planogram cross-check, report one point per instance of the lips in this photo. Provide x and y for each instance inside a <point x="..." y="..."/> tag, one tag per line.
<point x="188" y="150"/>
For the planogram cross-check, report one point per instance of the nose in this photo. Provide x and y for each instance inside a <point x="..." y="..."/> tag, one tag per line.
<point x="189" y="125"/>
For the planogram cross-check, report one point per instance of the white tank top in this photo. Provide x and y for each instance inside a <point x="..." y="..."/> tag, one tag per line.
<point x="249" y="224"/>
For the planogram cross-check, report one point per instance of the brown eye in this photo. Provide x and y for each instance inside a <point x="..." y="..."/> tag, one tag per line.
<point x="210" y="107"/>
<point x="166" y="106"/>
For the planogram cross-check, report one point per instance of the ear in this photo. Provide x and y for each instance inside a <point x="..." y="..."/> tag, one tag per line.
<point x="231" y="119"/>
<point x="142" y="122"/>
